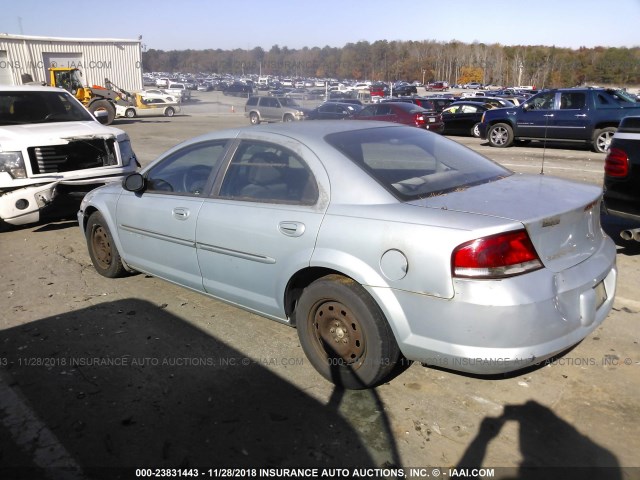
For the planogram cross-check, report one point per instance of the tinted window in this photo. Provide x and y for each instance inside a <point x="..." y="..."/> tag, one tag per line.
<point x="40" y="107"/>
<point x="544" y="101"/>
<point x="267" y="172"/>
<point x="411" y="163"/>
<point x="186" y="171"/>
<point x="572" y="100"/>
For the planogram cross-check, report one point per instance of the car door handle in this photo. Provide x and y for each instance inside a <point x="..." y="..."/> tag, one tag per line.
<point x="181" y="213"/>
<point x="549" y="115"/>
<point x="291" y="229"/>
<point x="581" y="115"/>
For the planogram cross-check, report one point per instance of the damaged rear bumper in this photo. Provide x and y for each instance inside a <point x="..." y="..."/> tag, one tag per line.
<point x="24" y="205"/>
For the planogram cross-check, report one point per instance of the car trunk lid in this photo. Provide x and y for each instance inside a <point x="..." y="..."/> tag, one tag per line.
<point x="562" y="219"/>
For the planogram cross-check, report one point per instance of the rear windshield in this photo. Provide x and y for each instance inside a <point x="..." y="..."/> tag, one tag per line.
<point x="20" y="107"/>
<point x="412" y="163"/>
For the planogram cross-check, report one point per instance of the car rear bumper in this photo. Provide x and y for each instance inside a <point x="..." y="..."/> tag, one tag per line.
<point x="492" y="327"/>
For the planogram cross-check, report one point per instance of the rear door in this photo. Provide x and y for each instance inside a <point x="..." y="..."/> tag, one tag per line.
<point x="571" y="118"/>
<point x="262" y="225"/>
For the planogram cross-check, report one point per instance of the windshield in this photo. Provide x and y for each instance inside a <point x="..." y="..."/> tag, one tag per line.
<point x="25" y="107"/>
<point x="412" y="163"/>
<point x="288" y="102"/>
<point x="621" y="96"/>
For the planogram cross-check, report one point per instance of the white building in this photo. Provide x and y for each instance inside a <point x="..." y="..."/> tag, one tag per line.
<point x="118" y="60"/>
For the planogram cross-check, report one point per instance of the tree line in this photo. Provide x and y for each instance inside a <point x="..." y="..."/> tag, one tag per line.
<point x="424" y="61"/>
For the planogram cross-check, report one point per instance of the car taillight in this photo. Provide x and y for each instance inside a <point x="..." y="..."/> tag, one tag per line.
<point x="617" y="163"/>
<point x="419" y="119"/>
<point x="496" y="256"/>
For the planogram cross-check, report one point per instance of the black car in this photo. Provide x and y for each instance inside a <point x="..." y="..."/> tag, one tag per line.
<point x="622" y="176"/>
<point x="333" y="111"/>
<point x="351" y="101"/>
<point x="404" y="89"/>
<point x="441" y="102"/>
<point x="463" y="118"/>
<point x="238" y="90"/>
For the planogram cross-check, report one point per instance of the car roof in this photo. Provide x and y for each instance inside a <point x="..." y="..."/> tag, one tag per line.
<point x="29" y="88"/>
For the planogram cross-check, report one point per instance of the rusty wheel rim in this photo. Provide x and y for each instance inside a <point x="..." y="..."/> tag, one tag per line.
<point x="339" y="333"/>
<point x="101" y="246"/>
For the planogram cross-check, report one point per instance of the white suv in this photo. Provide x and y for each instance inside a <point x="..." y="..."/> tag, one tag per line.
<point x="51" y="147"/>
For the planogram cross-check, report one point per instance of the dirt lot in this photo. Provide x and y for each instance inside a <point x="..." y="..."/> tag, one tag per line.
<point x="102" y="377"/>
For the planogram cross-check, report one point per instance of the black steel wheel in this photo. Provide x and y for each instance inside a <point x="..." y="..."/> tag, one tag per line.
<point x="344" y="333"/>
<point x="102" y="249"/>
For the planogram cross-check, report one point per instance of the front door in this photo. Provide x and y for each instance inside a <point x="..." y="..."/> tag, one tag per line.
<point x="157" y="227"/>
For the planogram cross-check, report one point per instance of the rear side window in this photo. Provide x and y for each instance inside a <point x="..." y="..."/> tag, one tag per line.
<point x="253" y="101"/>
<point x="412" y="163"/>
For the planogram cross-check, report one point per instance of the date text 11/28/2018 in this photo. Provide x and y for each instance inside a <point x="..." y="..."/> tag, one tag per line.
<point x="312" y="472"/>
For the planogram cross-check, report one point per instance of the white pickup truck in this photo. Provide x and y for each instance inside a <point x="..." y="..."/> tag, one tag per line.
<point x="179" y="91"/>
<point x="52" y="147"/>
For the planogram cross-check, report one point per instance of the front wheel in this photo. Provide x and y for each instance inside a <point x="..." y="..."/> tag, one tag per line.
<point x="102" y="249"/>
<point x="169" y="112"/>
<point x="344" y="333"/>
<point x="288" y="118"/>
<point x="104" y="105"/>
<point x="602" y="139"/>
<point x="500" y="135"/>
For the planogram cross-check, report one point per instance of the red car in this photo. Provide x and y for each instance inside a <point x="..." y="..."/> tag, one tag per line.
<point x="438" y="86"/>
<point x="402" y="112"/>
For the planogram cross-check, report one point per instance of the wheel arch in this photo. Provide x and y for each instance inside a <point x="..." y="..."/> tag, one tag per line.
<point x="90" y="210"/>
<point x="389" y="305"/>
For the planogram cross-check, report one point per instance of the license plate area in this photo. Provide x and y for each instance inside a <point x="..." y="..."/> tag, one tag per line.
<point x="601" y="294"/>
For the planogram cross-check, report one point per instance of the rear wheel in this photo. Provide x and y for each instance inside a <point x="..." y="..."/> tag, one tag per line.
<point x="102" y="249"/>
<point x="500" y="135"/>
<point x="344" y="333"/>
<point x="602" y="139"/>
<point x="475" y="130"/>
<point x="254" y="118"/>
<point x="130" y="113"/>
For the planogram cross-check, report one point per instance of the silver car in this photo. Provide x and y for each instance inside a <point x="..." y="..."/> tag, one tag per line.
<point x="379" y="242"/>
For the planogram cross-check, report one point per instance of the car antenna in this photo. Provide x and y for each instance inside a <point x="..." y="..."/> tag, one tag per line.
<point x="544" y="144"/>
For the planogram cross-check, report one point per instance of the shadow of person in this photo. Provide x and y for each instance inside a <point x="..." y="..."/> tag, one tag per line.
<point x="550" y="447"/>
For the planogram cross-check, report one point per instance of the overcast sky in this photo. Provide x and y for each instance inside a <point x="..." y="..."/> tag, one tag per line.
<point x="246" y="24"/>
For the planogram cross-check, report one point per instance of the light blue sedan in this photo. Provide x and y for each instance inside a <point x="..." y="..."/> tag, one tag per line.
<point x="379" y="242"/>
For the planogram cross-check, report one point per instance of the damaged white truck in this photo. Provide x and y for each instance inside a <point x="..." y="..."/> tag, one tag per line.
<point x="51" y="147"/>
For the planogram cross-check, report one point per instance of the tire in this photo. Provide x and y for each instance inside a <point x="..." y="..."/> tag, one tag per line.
<point x="602" y="139"/>
<point x="500" y="135"/>
<point x="344" y="333"/>
<point x="475" y="130"/>
<point x="169" y="112"/>
<point x="105" y="105"/>
<point x="102" y="250"/>
<point x="287" y="118"/>
<point x="130" y="113"/>
<point x="254" y="118"/>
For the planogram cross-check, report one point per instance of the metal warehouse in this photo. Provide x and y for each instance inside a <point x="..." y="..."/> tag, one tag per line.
<point x="28" y="58"/>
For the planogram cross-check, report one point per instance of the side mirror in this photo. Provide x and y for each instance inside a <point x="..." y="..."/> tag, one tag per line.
<point x="134" y="182"/>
